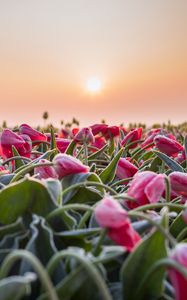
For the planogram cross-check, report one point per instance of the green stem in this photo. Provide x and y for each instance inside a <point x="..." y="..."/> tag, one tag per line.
<point x="58" y="211"/>
<point x="28" y="169"/>
<point x="141" y="150"/>
<point x="86" y="153"/>
<point x="168" y="189"/>
<point x="121" y="181"/>
<point x="167" y="263"/>
<point x="15" y="158"/>
<point x="90" y="268"/>
<point x="89" y="183"/>
<point x="34" y="261"/>
<point x="97" y="249"/>
<point x="158" y="205"/>
<point x="157" y="225"/>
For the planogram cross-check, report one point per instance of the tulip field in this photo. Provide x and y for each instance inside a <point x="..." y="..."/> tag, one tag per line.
<point x="93" y="213"/>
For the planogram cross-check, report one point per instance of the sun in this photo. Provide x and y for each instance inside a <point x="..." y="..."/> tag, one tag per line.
<point x="94" y="85"/>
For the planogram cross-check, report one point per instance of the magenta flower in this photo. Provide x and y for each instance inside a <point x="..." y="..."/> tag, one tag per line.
<point x="132" y="136"/>
<point x="65" y="164"/>
<point x="32" y="133"/>
<point x="85" y="135"/>
<point x="109" y="214"/>
<point x="179" y="255"/>
<point x="62" y="144"/>
<point x="44" y="172"/>
<point x="9" y="139"/>
<point x="146" y="187"/>
<point x="167" y="145"/>
<point x="125" y="169"/>
<point x="178" y="182"/>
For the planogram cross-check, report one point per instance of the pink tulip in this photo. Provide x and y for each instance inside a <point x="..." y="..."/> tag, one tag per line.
<point x="132" y="136"/>
<point x="85" y="135"/>
<point x="109" y="214"/>
<point x="146" y="187"/>
<point x="32" y="133"/>
<point x="62" y="144"/>
<point x="179" y="282"/>
<point x="98" y="128"/>
<point x="9" y="139"/>
<point x="125" y="169"/>
<point x="65" y="164"/>
<point x="178" y="182"/>
<point x="168" y="146"/>
<point x="45" y="171"/>
<point x="110" y="132"/>
<point x="98" y="143"/>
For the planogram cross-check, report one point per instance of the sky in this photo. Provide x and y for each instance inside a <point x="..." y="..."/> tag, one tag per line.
<point x="136" y="48"/>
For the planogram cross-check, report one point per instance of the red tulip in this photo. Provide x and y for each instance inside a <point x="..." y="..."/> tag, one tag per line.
<point x="85" y="135"/>
<point x="178" y="182"/>
<point x="125" y="169"/>
<point x="109" y="214"/>
<point x="32" y="133"/>
<point x="9" y="139"/>
<point x="99" y="142"/>
<point x="98" y="128"/>
<point x="179" y="255"/>
<point x="65" y="164"/>
<point x="45" y="171"/>
<point x="74" y="131"/>
<point x="146" y="187"/>
<point x="132" y="136"/>
<point x="168" y="146"/>
<point x="110" y="132"/>
<point x="62" y="144"/>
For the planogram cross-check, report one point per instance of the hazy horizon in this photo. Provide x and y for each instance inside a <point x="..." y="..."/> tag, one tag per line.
<point x="137" y="49"/>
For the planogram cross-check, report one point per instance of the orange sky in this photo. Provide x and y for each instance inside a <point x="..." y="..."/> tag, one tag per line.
<point x="49" y="49"/>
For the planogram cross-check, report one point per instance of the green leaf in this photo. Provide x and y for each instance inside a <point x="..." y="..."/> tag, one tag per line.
<point x="81" y="194"/>
<point x="18" y="162"/>
<point x="172" y="164"/>
<point x="137" y="265"/>
<point x="26" y="195"/>
<point x="177" y="225"/>
<point x="98" y="153"/>
<point x="11" y="228"/>
<point x="70" y="148"/>
<point x="42" y="245"/>
<point x="108" y="174"/>
<point x="15" y="287"/>
<point x="54" y="187"/>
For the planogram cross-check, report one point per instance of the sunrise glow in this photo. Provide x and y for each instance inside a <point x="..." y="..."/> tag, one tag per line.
<point x="93" y="85"/>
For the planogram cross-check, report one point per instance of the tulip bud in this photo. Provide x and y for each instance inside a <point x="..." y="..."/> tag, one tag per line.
<point x="168" y="146"/>
<point x="98" y="143"/>
<point x="178" y="182"/>
<point x="132" y="136"/>
<point x="125" y="169"/>
<point x="65" y="164"/>
<point x="32" y="133"/>
<point x="85" y="135"/>
<point x="179" y="282"/>
<point x="98" y="128"/>
<point x="9" y="139"/>
<point x="110" y="131"/>
<point x="109" y="214"/>
<point x="62" y="144"/>
<point x="45" y="171"/>
<point x="146" y="187"/>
